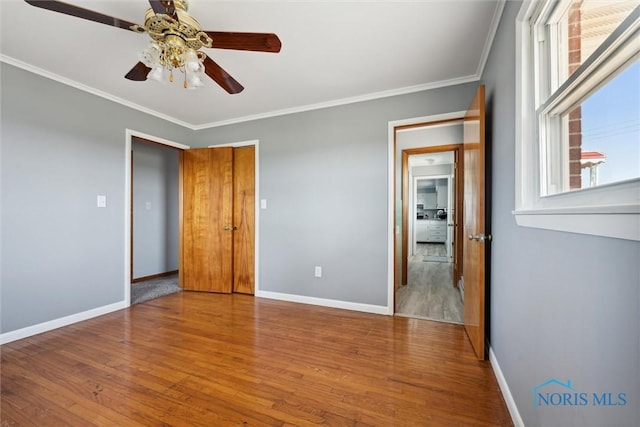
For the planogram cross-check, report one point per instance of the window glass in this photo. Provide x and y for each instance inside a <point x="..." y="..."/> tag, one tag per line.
<point x="589" y="129"/>
<point x="611" y="127"/>
<point x="582" y="27"/>
<point x="603" y="136"/>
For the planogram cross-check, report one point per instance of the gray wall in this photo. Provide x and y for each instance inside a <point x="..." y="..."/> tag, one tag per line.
<point x="323" y="172"/>
<point x="324" y="175"/>
<point x="155" y="208"/>
<point x="61" y="147"/>
<point x="564" y="306"/>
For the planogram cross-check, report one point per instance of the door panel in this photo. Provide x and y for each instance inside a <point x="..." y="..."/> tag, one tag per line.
<point x="244" y="219"/>
<point x="474" y="223"/>
<point x="207" y="236"/>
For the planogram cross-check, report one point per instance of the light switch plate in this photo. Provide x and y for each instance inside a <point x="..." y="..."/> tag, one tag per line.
<point x="101" y="201"/>
<point x="263" y="203"/>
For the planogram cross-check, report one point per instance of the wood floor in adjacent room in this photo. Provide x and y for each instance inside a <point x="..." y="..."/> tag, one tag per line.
<point x="429" y="292"/>
<point x="201" y="359"/>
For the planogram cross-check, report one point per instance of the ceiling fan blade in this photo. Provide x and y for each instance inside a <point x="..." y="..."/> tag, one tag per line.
<point x="221" y="77"/>
<point x="260" y="42"/>
<point x="79" y="12"/>
<point x="165" y="7"/>
<point x="138" y="73"/>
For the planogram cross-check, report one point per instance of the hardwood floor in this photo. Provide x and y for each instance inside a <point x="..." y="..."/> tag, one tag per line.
<point x="203" y="359"/>
<point x="429" y="292"/>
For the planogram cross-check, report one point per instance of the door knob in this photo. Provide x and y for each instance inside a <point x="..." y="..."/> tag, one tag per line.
<point x="480" y="237"/>
<point x="227" y="228"/>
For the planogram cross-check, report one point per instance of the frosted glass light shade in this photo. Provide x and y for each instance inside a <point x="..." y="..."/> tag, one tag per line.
<point x="159" y="74"/>
<point x="192" y="62"/>
<point x="194" y="80"/>
<point x="150" y="56"/>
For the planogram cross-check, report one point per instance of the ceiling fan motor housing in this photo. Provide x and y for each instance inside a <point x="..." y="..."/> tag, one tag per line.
<point x="163" y="28"/>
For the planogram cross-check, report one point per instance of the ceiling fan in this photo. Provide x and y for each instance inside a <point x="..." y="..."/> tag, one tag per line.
<point x="176" y="40"/>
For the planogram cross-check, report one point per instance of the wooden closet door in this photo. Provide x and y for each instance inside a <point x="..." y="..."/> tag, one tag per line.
<point x="244" y="202"/>
<point x="207" y="222"/>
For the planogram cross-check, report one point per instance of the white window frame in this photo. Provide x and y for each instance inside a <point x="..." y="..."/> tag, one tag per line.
<point x="610" y="210"/>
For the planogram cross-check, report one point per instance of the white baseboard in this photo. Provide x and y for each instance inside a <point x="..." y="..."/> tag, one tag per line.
<point x="367" y="308"/>
<point x="506" y="393"/>
<point x="29" y="331"/>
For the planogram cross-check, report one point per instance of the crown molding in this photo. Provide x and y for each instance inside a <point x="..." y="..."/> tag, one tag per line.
<point x="58" y="78"/>
<point x="304" y="108"/>
<point x="344" y="101"/>
<point x="493" y="29"/>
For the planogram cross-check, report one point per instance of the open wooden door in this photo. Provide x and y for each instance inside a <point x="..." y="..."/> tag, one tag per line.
<point x="207" y="221"/>
<point x="474" y="223"/>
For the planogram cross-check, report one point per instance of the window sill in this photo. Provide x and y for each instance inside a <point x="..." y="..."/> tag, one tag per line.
<point x="624" y="223"/>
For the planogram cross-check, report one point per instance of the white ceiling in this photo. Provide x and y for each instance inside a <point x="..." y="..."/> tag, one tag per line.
<point x="333" y="52"/>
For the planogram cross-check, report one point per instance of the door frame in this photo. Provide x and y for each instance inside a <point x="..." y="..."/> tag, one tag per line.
<point x="392" y="156"/>
<point x="457" y="150"/>
<point x="129" y="135"/>
<point x="256" y="242"/>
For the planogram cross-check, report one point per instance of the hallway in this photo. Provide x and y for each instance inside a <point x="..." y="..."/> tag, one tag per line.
<point x="429" y="292"/>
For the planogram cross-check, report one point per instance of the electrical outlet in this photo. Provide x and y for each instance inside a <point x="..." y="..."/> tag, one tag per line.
<point x="318" y="271"/>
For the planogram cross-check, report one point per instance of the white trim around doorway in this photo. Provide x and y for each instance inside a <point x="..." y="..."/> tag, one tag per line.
<point x="392" y="230"/>
<point x="130" y="134"/>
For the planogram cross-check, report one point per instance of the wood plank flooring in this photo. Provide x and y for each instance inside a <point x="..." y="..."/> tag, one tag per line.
<point x="201" y="359"/>
<point x="431" y="249"/>
<point x="429" y="292"/>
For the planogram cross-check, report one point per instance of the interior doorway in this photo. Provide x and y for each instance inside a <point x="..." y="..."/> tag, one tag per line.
<point x="151" y="220"/>
<point x="431" y="205"/>
<point x="154" y="200"/>
<point x="472" y="218"/>
<point x="154" y="210"/>
<point x="248" y="215"/>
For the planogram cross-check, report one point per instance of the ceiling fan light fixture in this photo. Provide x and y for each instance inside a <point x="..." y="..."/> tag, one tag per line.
<point x="150" y="56"/>
<point x="193" y="70"/>
<point x="194" y="81"/>
<point x="192" y="62"/>
<point x="164" y="58"/>
<point x="160" y="74"/>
